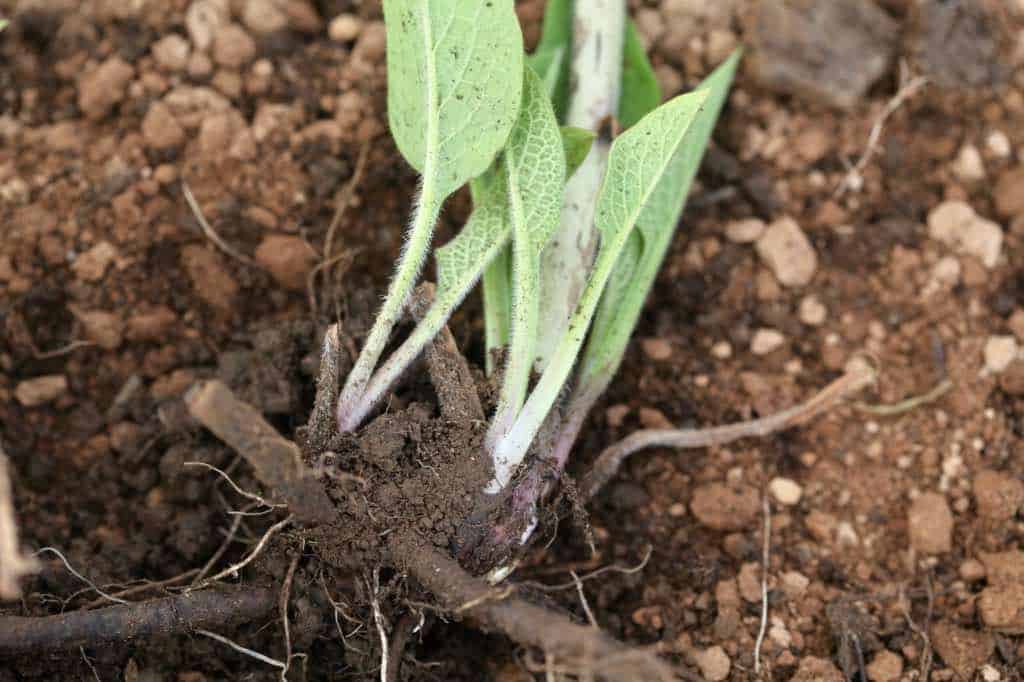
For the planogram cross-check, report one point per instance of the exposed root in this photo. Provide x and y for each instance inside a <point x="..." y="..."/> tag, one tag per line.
<point x="573" y="647"/>
<point x="210" y="233"/>
<point x="234" y="486"/>
<point x="399" y="639"/>
<point x="117" y="624"/>
<point x="14" y="565"/>
<point x="235" y="568"/>
<point x="854" y="179"/>
<point x="611" y="568"/>
<point x="766" y="554"/>
<point x="908" y="405"/>
<point x="282" y="607"/>
<point x="248" y="652"/>
<point x="277" y="461"/>
<point x="72" y="571"/>
<point x="378" y="620"/>
<point x="609" y="461"/>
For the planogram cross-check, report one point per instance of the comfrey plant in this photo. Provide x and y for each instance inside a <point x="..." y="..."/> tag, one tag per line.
<point x="568" y="227"/>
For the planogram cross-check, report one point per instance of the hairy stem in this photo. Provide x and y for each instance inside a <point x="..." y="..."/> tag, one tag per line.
<point x="497" y="307"/>
<point x="596" y="74"/>
<point x="416" y="246"/>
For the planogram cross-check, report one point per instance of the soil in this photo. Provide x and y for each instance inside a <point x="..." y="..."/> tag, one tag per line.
<point x="895" y="535"/>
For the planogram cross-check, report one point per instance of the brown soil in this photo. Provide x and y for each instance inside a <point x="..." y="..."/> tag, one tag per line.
<point x="897" y="549"/>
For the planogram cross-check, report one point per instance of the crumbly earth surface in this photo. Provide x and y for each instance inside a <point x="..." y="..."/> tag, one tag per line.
<point x="896" y="535"/>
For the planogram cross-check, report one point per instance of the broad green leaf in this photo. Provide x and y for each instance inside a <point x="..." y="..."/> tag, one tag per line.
<point x="553" y="54"/>
<point x="3" y="23"/>
<point x="534" y="162"/>
<point x="453" y="84"/>
<point x="644" y="167"/>
<point x="640" y="92"/>
<point x="621" y="306"/>
<point x="576" y="143"/>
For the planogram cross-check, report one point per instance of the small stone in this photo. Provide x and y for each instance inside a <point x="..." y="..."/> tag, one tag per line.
<point x="722" y="507"/>
<point x="946" y="272"/>
<point x="656" y="348"/>
<point x="171" y="52"/>
<point x="785" y="249"/>
<point x="265" y="16"/>
<point x="1002" y="608"/>
<point x="218" y="131"/>
<point x="990" y="674"/>
<point x="288" y="259"/>
<point x="615" y="415"/>
<point x="233" y="47"/>
<point x="998" y="495"/>
<point x="722" y="350"/>
<point x="104" y="87"/>
<point x="1003" y="568"/>
<point x="969" y="166"/>
<point x="930" y="524"/>
<point x="210" y="279"/>
<point x="93" y="264"/>
<point x="812" y="144"/>
<point x="794" y="584"/>
<point x="813" y="669"/>
<point x="1016" y="324"/>
<point x="160" y="130"/>
<point x="200" y="66"/>
<point x="786" y="491"/>
<point x="1000" y="351"/>
<point x="812" y="311"/>
<point x="972" y="570"/>
<point x="1009" y="193"/>
<point x="749" y="582"/>
<point x="828" y="52"/>
<point x="714" y="663"/>
<point x="41" y="390"/>
<point x="151" y="325"/>
<point x="885" y="667"/>
<point x="955" y="224"/>
<point x="999" y="144"/>
<point x="744" y="231"/>
<point x="105" y="329"/>
<point x="766" y="341"/>
<point x="652" y="418"/>
<point x="203" y="19"/>
<point x="344" y="28"/>
<point x="962" y="650"/>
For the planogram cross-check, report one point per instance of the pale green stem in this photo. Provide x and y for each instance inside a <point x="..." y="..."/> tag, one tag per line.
<point x="524" y="319"/>
<point x="497" y="311"/>
<point x="414" y="253"/>
<point x="510" y="450"/>
<point x="598" y="32"/>
<point x="391" y="371"/>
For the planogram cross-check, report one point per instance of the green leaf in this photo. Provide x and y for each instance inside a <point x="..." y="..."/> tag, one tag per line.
<point x="576" y="142"/>
<point x="453" y="84"/>
<point x="640" y="92"/>
<point x="534" y="163"/>
<point x="4" y="23"/>
<point x="644" y="167"/>
<point x="552" y="57"/>
<point x="621" y="305"/>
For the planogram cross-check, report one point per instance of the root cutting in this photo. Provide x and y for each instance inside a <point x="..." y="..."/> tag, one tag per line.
<point x="189" y="612"/>
<point x="609" y="461"/>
